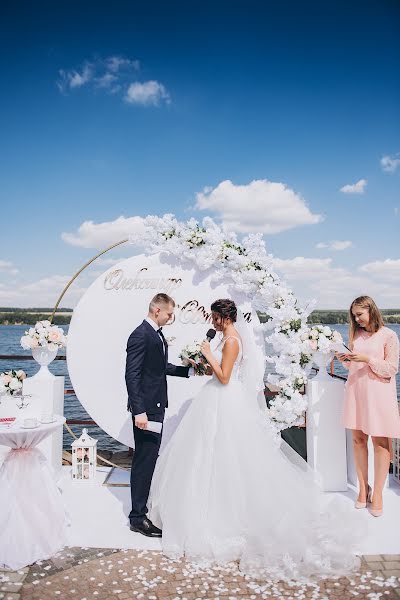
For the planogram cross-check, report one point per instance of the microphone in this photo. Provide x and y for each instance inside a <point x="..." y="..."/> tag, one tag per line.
<point x="210" y="335"/>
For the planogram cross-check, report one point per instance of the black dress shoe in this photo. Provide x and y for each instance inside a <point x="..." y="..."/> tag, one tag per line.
<point x="146" y="527"/>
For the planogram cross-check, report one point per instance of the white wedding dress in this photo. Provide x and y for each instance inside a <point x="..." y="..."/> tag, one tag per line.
<point x="224" y="491"/>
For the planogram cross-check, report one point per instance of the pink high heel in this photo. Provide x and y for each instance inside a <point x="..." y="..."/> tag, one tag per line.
<point x="375" y="512"/>
<point x="364" y="504"/>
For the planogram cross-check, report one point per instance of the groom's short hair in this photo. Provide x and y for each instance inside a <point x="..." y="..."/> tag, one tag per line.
<point x="160" y="300"/>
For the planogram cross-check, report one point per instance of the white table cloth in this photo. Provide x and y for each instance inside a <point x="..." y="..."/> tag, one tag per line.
<point x="32" y="515"/>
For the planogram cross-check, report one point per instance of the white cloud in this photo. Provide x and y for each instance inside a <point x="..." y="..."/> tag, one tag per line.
<point x="147" y="93"/>
<point x="11" y="296"/>
<point x="114" y="75"/>
<point x="304" y="269"/>
<point x="106" y="80"/>
<point x="100" y="235"/>
<point x="54" y="283"/>
<point x="43" y="292"/>
<point x="355" y="188"/>
<point x="388" y="269"/>
<point x="71" y="79"/>
<point x="260" y="206"/>
<point x="108" y="262"/>
<point x="117" y="63"/>
<point x="389" y="163"/>
<point x="100" y="72"/>
<point x="335" y="245"/>
<point x="336" y="287"/>
<point x="8" y="267"/>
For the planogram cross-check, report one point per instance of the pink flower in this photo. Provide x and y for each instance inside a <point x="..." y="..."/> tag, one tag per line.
<point x="6" y="379"/>
<point x="314" y="344"/>
<point x="54" y="336"/>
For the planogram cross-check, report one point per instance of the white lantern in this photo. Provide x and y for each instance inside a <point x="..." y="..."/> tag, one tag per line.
<point x="84" y="458"/>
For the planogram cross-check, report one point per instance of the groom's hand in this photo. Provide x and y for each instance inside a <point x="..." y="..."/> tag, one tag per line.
<point x="195" y="366"/>
<point x="141" y="421"/>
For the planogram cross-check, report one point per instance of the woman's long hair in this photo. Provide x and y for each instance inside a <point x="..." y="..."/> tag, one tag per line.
<point x="375" y="318"/>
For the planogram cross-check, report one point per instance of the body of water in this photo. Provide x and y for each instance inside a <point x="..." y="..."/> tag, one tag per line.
<point x="10" y="336"/>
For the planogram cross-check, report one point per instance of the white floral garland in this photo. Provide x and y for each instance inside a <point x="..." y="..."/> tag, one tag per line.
<point x="250" y="269"/>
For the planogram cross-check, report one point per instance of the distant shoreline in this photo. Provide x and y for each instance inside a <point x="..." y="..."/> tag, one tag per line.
<point x="29" y="316"/>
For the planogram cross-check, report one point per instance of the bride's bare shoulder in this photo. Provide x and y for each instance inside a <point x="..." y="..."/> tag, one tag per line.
<point x="231" y="343"/>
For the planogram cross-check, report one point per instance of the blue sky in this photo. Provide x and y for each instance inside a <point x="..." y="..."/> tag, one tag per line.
<point x="123" y="110"/>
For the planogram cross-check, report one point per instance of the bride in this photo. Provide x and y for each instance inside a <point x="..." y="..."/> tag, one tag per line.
<point x="225" y="490"/>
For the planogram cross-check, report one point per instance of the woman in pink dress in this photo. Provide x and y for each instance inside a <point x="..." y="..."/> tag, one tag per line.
<point x="370" y="407"/>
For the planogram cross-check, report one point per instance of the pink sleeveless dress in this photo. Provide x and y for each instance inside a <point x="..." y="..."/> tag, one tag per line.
<point x="370" y="403"/>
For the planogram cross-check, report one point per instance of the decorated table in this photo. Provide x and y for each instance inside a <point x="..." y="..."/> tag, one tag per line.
<point x="32" y="516"/>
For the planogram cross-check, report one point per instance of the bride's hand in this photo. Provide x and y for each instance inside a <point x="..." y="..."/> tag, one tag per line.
<point x="205" y="349"/>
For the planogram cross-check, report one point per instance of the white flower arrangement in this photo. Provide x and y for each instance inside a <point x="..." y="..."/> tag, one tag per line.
<point x="287" y="326"/>
<point x="193" y="352"/>
<point x="11" y="382"/>
<point x="44" y="335"/>
<point x="299" y="382"/>
<point x="320" y="338"/>
<point x="196" y="237"/>
<point x="251" y="272"/>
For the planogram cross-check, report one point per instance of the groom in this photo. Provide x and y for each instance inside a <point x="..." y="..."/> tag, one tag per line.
<point x="146" y="369"/>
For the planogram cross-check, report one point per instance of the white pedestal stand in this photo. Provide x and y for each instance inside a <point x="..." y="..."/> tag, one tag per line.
<point x="326" y="437"/>
<point x="48" y="397"/>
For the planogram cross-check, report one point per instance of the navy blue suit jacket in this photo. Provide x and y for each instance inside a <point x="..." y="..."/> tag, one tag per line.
<point x="146" y="369"/>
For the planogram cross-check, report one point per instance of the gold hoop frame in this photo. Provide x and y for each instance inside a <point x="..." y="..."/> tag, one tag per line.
<point x="61" y="296"/>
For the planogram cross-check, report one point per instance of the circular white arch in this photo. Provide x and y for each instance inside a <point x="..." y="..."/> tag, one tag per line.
<point x="112" y="307"/>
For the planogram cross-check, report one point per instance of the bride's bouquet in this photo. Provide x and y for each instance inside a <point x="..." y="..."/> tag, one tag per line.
<point x="321" y="338"/>
<point x="193" y="352"/>
<point x="44" y="334"/>
<point x="11" y="382"/>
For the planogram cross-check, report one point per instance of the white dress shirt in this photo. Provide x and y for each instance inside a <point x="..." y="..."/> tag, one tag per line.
<point x="156" y="328"/>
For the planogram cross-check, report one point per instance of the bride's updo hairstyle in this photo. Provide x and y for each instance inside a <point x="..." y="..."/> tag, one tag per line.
<point x="225" y="308"/>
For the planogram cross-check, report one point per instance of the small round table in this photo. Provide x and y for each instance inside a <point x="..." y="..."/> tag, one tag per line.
<point x="32" y="516"/>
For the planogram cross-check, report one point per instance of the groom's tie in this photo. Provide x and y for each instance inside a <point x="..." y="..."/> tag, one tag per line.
<point x="164" y="341"/>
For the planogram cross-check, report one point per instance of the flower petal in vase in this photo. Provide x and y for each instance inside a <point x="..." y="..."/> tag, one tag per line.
<point x="44" y="356"/>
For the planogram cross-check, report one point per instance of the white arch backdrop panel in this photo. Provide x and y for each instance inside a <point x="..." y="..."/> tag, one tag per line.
<point x="112" y="307"/>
